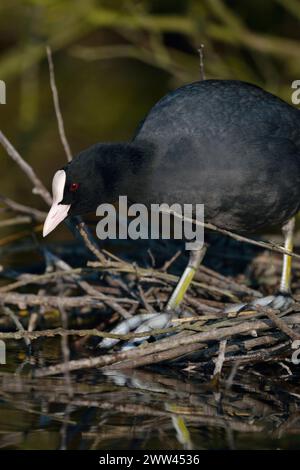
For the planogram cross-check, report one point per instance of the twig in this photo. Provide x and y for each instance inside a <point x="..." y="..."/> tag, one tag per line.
<point x="240" y="238"/>
<point x="220" y="358"/>
<point x="18" y="220"/>
<point x="281" y="325"/>
<point x="38" y="279"/>
<point x="170" y="261"/>
<point x="39" y="188"/>
<point x="17" y="207"/>
<point x="201" y="64"/>
<point x="91" y="246"/>
<point x="60" y="122"/>
<point x="144" y="300"/>
<point x="16" y="321"/>
<point x="34" y="335"/>
<point x="68" y="302"/>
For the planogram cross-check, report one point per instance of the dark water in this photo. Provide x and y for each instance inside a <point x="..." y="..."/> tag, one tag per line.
<point x="160" y="409"/>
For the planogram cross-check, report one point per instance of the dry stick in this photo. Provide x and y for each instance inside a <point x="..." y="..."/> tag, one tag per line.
<point x="281" y="325"/>
<point x="144" y="300"/>
<point x="16" y="321"/>
<point x="34" y="335"/>
<point x="16" y="206"/>
<point x="240" y="238"/>
<point x="220" y="358"/>
<point x="39" y="188"/>
<point x="40" y="278"/>
<point x="174" y="346"/>
<point x="260" y="355"/>
<point x="97" y="301"/>
<point x="201" y="57"/>
<point x="60" y="122"/>
<point x="17" y="220"/>
<point x="53" y="301"/>
<point x="169" y="262"/>
<point x="92" y="247"/>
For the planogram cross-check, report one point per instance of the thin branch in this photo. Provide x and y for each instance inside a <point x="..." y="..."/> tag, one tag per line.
<point x="34" y="335"/>
<point x="17" y="207"/>
<point x="16" y="321"/>
<point x="220" y="359"/>
<point x="39" y="188"/>
<point x="97" y="301"/>
<point x="201" y="62"/>
<point x="60" y="122"/>
<point x="240" y="238"/>
<point x="89" y="243"/>
<point x="281" y="324"/>
<point x="17" y="220"/>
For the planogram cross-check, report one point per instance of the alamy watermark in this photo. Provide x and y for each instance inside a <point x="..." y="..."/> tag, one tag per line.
<point x="296" y="353"/>
<point x="176" y="221"/>
<point x="296" y="94"/>
<point x="2" y="92"/>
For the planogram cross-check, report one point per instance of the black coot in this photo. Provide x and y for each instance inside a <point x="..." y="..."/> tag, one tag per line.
<point x="227" y="144"/>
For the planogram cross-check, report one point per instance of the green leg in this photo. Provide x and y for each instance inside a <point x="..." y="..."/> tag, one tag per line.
<point x="196" y="256"/>
<point x="288" y="232"/>
<point x="282" y="300"/>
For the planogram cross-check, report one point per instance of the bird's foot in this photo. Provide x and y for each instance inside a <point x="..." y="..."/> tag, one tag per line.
<point x="143" y="323"/>
<point x="280" y="301"/>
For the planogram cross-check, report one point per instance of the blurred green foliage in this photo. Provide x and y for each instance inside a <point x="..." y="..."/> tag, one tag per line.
<point x="114" y="59"/>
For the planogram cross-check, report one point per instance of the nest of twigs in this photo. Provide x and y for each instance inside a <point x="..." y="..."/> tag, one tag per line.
<point x="84" y="304"/>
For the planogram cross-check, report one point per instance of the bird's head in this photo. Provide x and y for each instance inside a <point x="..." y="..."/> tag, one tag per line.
<point x="98" y="174"/>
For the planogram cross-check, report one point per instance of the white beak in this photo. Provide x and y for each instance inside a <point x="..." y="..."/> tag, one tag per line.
<point x="58" y="212"/>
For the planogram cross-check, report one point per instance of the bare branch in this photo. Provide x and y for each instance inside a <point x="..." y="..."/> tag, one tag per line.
<point x="60" y="122"/>
<point x="17" y="207"/>
<point x="39" y="188"/>
<point x="201" y="58"/>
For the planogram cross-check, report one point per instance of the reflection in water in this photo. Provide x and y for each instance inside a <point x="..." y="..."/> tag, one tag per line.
<point x="149" y="410"/>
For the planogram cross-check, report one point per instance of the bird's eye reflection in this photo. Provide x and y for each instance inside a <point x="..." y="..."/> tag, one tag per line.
<point x="73" y="187"/>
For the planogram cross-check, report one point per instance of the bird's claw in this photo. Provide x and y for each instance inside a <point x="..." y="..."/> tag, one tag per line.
<point x="142" y="323"/>
<point x="279" y="302"/>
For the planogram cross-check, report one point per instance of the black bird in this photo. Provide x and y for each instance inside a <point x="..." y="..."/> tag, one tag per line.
<point x="227" y="144"/>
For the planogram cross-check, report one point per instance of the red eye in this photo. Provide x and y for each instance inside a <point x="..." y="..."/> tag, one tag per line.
<point x="74" y="187"/>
